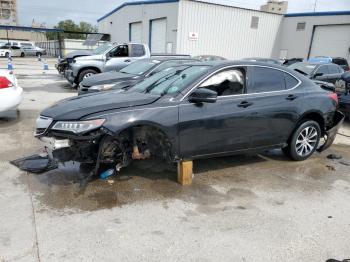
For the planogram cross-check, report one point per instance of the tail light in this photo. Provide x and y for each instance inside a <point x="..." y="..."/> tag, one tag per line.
<point x="334" y="97"/>
<point x="4" y="82"/>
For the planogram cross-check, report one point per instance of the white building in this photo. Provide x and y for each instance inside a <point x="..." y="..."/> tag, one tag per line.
<point x="314" y="34"/>
<point x="194" y="27"/>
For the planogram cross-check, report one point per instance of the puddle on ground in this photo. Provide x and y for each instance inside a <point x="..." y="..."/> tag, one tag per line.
<point x="216" y="181"/>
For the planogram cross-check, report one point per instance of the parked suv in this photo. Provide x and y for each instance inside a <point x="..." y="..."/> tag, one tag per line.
<point x="113" y="59"/>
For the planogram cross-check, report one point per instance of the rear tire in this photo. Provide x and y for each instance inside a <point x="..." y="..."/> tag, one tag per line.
<point x="22" y="54"/>
<point x="86" y="73"/>
<point x="7" y="55"/>
<point x="304" y="141"/>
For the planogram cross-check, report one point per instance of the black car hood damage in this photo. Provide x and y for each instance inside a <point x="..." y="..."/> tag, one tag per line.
<point x="106" y="78"/>
<point x="77" y="107"/>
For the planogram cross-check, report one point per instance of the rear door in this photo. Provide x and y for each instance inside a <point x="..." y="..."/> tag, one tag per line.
<point x="335" y="73"/>
<point x="321" y="73"/>
<point x="275" y="102"/>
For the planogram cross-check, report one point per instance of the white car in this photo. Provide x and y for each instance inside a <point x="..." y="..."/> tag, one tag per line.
<point x="5" y="51"/>
<point x="10" y="93"/>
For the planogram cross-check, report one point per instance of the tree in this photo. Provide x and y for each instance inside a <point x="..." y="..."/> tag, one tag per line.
<point x="71" y="26"/>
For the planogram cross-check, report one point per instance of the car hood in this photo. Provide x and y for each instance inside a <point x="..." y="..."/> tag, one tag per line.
<point x="77" y="107"/>
<point x="78" y="53"/>
<point x="89" y="57"/>
<point x="107" y="78"/>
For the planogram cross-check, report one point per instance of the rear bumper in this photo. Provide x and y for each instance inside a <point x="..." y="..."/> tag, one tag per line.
<point x="331" y="133"/>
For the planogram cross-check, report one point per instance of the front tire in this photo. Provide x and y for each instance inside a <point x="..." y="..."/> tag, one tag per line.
<point x="22" y="54"/>
<point x="304" y="141"/>
<point x="39" y="54"/>
<point x="86" y="73"/>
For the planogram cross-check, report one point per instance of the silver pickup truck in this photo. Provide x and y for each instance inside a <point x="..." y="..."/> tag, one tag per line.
<point x="113" y="59"/>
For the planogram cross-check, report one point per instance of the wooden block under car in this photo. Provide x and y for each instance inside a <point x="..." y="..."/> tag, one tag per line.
<point x="185" y="172"/>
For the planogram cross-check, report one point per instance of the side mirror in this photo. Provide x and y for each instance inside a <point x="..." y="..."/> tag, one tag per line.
<point x="318" y="74"/>
<point x="203" y="95"/>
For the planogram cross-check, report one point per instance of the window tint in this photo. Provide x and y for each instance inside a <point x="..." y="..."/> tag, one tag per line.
<point x="322" y="70"/>
<point x="119" y="51"/>
<point x="266" y="80"/>
<point x="137" y="50"/>
<point x="340" y="61"/>
<point x="290" y="81"/>
<point x="226" y="83"/>
<point x="15" y="47"/>
<point x="333" y="69"/>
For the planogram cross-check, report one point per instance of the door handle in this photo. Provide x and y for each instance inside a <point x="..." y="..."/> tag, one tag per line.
<point x="127" y="60"/>
<point x="291" y="97"/>
<point x="245" y="104"/>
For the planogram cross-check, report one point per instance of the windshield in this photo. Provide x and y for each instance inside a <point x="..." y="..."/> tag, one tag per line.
<point x="303" y="68"/>
<point x="101" y="49"/>
<point x="139" y="67"/>
<point x="170" y="81"/>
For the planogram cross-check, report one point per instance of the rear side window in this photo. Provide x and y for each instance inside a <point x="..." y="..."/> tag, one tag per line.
<point x="137" y="50"/>
<point x="335" y="69"/>
<point x="290" y="81"/>
<point x="266" y="80"/>
<point x="322" y="70"/>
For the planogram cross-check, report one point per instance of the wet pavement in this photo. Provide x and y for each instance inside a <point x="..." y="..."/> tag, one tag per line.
<point x="242" y="208"/>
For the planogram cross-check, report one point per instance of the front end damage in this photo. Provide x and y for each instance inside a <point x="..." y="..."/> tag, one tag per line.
<point x="104" y="149"/>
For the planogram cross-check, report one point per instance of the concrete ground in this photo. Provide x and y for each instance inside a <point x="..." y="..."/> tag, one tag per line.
<point x="242" y="208"/>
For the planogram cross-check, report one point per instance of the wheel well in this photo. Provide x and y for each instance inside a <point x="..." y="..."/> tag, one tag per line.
<point x="148" y="137"/>
<point x="315" y="117"/>
<point x="90" y="67"/>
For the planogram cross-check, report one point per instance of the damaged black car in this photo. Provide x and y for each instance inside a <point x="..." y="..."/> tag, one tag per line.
<point x="192" y="111"/>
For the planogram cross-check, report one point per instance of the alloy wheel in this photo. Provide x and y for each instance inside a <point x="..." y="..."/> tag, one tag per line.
<point x="306" y="141"/>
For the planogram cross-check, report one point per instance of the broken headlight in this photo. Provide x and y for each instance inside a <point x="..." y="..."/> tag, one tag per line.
<point x="102" y="87"/>
<point x="78" y="126"/>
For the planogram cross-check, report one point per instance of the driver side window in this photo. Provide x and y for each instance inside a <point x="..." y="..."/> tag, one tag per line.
<point x="119" y="51"/>
<point x="226" y="83"/>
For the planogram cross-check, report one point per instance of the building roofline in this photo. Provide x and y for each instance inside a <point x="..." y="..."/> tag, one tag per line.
<point x="331" y="13"/>
<point x="232" y="6"/>
<point x="136" y="3"/>
<point x="145" y="2"/>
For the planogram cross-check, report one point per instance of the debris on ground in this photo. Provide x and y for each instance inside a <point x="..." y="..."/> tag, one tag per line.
<point x="110" y="181"/>
<point x="104" y="175"/>
<point x="330" y="168"/>
<point x="334" y="156"/>
<point x="36" y="164"/>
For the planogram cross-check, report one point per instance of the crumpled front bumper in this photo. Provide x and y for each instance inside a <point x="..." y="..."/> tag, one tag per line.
<point x="331" y="133"/>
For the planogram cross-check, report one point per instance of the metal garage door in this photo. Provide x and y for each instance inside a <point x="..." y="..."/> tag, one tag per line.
<point x="158" y="35"/>
<point x="331" y="40"/>
<point x="136" y="32"/>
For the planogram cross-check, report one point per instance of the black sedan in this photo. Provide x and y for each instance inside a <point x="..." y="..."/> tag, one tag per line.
<point x="129" y="75"/>
<point x="326" y="72"/>
<point x="194" y="111"/>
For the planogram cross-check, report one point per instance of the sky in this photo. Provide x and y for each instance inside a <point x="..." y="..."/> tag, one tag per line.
<point x="51" y="12"/>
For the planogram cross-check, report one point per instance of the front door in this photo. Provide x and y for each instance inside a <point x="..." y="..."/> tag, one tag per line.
<point x="117" y="58"/>
<point x="223" y="126"/>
